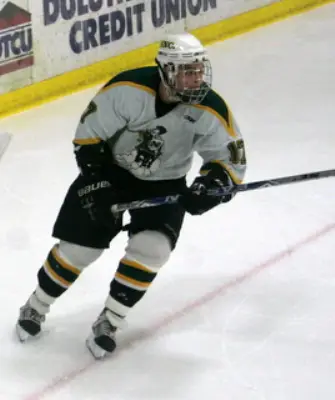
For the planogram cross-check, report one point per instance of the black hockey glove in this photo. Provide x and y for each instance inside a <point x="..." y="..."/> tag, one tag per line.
<point x="93" y="160"/>
<point x="96" y="195"/>
<point x="197" y="200"/>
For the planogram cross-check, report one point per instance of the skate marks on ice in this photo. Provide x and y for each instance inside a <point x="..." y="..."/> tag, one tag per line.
<point x="130" y="341"/>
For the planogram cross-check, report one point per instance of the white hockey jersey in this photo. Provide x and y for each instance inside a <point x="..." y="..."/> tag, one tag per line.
<point x="154" y="140"/>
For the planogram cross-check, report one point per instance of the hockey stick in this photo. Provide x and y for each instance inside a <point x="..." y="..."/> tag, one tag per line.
<point x="158" y="201"/>
<point x="5" y="139"/>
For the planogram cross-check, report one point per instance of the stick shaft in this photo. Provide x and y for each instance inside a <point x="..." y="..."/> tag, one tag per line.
<point x="158" y="201"/>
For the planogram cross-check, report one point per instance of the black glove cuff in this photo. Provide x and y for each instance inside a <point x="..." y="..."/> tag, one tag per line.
<point x="214" y="170"/>
<point x="93" y="160"/>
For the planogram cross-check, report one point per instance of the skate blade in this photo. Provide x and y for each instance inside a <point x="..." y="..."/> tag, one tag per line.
<point x="97" y="352"/>
<point x="22" y="335"/>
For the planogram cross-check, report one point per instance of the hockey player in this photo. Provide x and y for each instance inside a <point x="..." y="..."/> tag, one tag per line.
<point x="136" y="140"/>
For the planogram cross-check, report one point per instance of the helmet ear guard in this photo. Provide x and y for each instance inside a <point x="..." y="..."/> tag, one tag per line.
<point x="161" y="71"/>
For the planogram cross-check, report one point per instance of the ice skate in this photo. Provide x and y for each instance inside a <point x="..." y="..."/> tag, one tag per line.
<point x="29" y="322"/>
<point x="102" y="339"/>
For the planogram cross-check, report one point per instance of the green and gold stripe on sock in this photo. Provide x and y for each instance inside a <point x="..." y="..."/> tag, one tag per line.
<point x="59" y="271"/>
<point x="134" y="275"/>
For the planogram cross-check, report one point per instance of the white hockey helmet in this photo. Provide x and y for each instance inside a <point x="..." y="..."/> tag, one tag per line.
<point x="181" y="57"/>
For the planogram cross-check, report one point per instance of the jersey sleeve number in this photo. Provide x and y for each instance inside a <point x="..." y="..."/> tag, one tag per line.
<point x="237" y="152"/>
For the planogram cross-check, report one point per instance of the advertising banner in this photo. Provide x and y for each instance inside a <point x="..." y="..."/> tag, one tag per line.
<point x="40" y="39"/>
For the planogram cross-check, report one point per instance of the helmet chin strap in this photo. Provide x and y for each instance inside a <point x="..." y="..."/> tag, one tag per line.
<point x="170" y="92"/>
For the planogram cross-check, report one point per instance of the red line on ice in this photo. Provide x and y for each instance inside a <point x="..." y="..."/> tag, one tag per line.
<point x="65" y="379"/>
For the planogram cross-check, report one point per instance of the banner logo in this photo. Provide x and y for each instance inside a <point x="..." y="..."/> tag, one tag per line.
<point x="16" y="39"/>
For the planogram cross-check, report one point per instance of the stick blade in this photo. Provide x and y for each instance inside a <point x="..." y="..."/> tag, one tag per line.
<point x="5" y="139"/>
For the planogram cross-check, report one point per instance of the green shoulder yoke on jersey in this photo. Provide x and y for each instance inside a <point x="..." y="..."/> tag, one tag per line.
<point x="146" y="78"/>
<point x="214" y="104"/>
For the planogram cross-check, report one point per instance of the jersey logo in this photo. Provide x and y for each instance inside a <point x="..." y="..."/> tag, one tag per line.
<point x="144" y="159"/>
<point x="189" y="119"/>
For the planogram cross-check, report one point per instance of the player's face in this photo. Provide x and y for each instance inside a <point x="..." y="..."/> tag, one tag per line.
<point x="190" y="76"/>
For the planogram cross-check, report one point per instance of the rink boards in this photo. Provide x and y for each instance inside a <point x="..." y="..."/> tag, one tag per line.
<point x="54" y="47"/>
